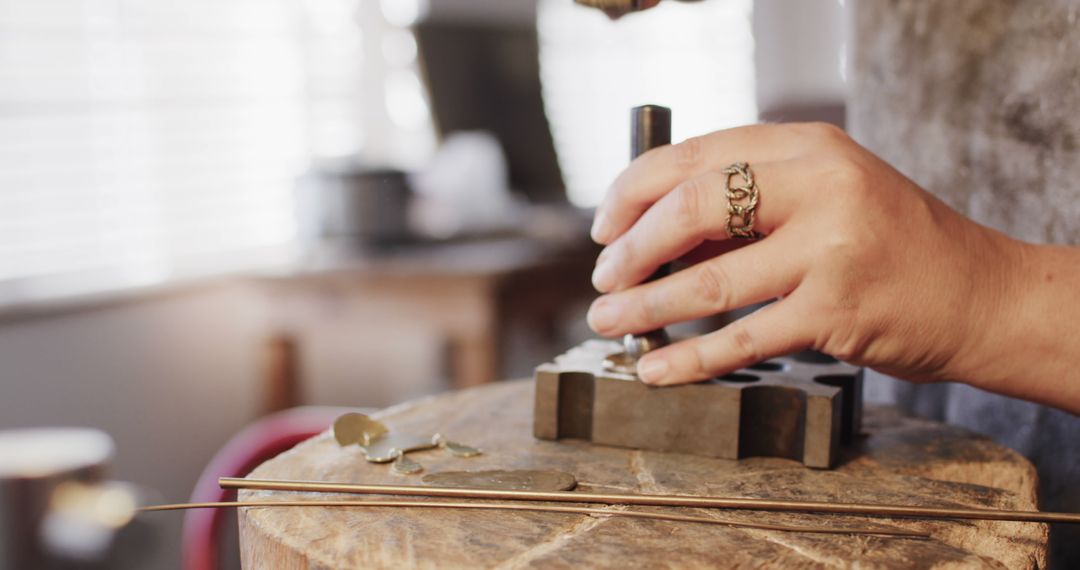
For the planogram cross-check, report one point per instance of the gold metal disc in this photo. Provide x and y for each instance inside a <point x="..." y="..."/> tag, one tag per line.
<point x="405" y="466"/>
<point x="357" y="428"/>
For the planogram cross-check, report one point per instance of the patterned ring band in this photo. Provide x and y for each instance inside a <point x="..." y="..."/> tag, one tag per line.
<point x="742" y="202"/>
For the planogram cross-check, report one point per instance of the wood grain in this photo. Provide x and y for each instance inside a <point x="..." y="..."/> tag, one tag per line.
<point x="902" y="460"/>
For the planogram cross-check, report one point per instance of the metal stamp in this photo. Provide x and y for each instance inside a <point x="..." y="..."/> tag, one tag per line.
<point x="650" y="127"/>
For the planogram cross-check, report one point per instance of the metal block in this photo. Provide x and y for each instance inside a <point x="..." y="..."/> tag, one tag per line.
<point x="800" y="407"/>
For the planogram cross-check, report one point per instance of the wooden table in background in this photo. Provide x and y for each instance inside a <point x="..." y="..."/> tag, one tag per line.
<point x="466" y="292"/>
<point x="902" y="460"/>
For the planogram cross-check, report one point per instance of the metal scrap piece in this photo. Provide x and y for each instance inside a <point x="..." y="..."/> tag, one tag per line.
<point x="388" y="447"/>
<point x="380" y="445"/>
<point x="454" y="448"/>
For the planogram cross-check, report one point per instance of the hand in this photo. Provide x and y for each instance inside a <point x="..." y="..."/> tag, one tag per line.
<point x="618" y="8"/>
<point x="867" y="266"/>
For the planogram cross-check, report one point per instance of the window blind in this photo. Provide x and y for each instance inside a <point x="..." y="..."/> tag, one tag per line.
<point x="147" y="136"/>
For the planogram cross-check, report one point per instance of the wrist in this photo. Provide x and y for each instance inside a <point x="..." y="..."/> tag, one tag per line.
<point x="997" y="311"/>
<point x="1029" y="337"/>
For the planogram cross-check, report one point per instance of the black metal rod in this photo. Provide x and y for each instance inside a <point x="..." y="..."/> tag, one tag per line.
<point x="650" y="127"/>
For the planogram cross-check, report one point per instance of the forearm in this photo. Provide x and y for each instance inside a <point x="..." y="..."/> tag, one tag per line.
<point x="1034" y="347"/>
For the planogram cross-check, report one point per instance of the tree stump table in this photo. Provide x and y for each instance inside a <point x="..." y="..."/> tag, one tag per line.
<point x="900" y="460"/>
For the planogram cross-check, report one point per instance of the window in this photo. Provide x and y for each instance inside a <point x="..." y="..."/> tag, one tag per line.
<point x="144" y="139"/>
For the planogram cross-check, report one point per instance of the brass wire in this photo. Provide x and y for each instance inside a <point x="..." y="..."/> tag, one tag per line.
<point x="656" y="500"/>
<point x="543" y="508"/>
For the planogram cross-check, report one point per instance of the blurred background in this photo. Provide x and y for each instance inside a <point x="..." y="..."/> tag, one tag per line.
<point x="213" y="210"/>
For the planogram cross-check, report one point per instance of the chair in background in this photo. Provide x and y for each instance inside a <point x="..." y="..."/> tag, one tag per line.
<point x="254" y="444"/>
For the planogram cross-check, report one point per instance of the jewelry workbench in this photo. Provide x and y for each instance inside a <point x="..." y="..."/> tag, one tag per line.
<point x="898" y="460"/>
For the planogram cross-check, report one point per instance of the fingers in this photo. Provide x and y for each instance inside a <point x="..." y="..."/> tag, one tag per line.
<point x="656" y="172"/>
<point x="696" y="211"/>
<point x="710" y="249"/>
<point x="758" y="272"/>
<point x="777" y="329"/>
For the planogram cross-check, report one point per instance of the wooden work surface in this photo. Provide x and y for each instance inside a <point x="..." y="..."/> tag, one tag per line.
<point x="902" y="460"/>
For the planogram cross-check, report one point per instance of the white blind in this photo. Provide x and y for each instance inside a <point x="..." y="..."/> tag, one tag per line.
<point x="146" y="135"/>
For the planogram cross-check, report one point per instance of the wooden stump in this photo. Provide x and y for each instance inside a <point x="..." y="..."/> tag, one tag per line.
<point x="902" y="460"/>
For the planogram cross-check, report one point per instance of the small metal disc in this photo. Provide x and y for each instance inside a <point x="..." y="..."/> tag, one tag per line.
<point x="405" y="466"/>
<point x="357" y="428"/>
<point x="519" y="480"/>
<point x="460" y="450"/>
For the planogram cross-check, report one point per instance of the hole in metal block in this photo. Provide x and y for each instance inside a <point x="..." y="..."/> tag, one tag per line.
<point x="767" y="366"/>
<point x="814" y="357"/>
<point x="739" y="377"/>
<point x="577" y="390"/>
<point x="838" y="380"/>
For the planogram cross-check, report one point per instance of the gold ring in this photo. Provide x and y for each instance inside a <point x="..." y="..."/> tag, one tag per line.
<point x="742" y="202"/>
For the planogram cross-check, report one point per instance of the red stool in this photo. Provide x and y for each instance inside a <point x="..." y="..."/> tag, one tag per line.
<point x="255" y="444"/>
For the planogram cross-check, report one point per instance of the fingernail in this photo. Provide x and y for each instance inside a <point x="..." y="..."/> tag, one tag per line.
<point x="652" y="370"/>
<point x="602" y="315"/>
<point x="603" y="277"/>
<point x="599" y="231"/>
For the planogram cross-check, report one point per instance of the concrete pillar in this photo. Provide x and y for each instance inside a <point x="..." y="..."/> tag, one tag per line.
<point x="979" y="102"/>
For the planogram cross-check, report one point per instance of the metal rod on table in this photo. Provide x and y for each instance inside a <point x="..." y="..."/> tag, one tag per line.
<point x="656" y="500"/>
<point x="543" y="508"/>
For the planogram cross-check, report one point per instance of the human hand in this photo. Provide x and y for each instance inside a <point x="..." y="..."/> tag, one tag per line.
<point x="618" y="8"/>
<point x="869" y="268"/>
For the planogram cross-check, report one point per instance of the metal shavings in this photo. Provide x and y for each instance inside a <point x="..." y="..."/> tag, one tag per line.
<point x="454" y="448"/>
<point x="380" y="445"/>
<point x="388" y="447"/>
